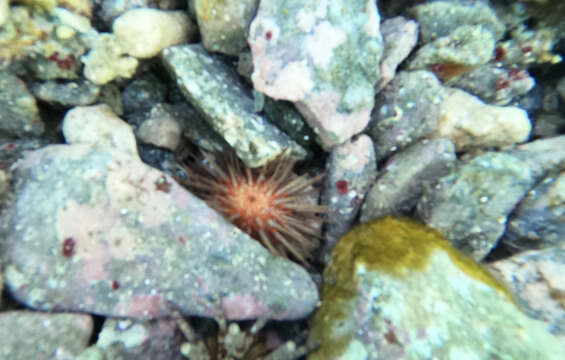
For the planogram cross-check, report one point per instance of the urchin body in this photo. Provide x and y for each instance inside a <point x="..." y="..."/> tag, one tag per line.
<point x="269" y="203"/>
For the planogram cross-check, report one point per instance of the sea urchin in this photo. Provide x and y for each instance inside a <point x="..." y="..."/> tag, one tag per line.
<point x="269" y="203"/>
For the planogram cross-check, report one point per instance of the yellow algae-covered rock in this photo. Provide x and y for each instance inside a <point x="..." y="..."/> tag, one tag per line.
<point x="396" y="289"/>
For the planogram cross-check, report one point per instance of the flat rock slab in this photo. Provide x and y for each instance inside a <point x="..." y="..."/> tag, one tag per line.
<point x="98" y="231"/>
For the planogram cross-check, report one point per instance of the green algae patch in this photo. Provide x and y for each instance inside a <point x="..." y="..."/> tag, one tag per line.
<point x="393" y="246"/>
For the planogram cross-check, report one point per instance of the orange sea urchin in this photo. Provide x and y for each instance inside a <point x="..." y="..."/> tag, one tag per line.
<point x="269" y="203"/>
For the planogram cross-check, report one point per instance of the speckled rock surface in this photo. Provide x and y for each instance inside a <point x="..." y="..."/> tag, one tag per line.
<point x="352" y="168"/>
<point x="161" y="130"/>
<point x="536" y="280"/>
<point x="19" y="115"/>
<point x="406" y="110"/>
<point x="440" y="18"/>
<point x="471" y="205"/>
<point x="402" y="181"/>
<point x="538" y="221"/>
<point x="28" y="335"/>
<point x="470" y="123"/>
<point x="324" y="57"/>
<point x="464" y="48"/>
<point x="97" y="124"/>
<point x="98" y="231"/>
<point x="143" y="92"/>
<point x="224" y="24"/>
<point x="397" y="290"/>
<point x="204" y="80"/>
<point x="127" y="339"/>
<point x="73" y="93"/>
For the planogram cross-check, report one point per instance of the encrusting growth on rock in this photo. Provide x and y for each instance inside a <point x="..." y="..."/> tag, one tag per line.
<point x="270" y="203"/>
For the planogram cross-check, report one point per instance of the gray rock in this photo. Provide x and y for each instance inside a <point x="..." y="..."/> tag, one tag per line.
<point x="548" y="125"/>
<point x="352" y="168"/>
<point x="143" y="93"/>
<point x="465" y="48"/>
<point x="536" y="280"/>
<point x="216" y="92"/>
<point x="441" y="18"/>
<point x="405" y="176"/>
<point x="28" y="335"/>
<point x="98" y="231"/>
<point x="406" y="111"/>
<point x="224" y="24"/>
<point x="395" y="289"/>
<point x="19" y="115"/>
<point x="471" y="205"/>
<point x="324" y="57"/>
<point x="538" y="221"/>
<point x="75" y="93"/>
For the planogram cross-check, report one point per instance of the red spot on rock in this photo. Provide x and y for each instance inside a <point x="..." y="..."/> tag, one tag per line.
<point x="63" y="63"/>
<point x="269" y="35"/>
<point x="182" y="240"/>
<point x="341" y="186"/>
<point x="499" y="53"/>
<point x="69" y="247"/>
<point x="527" y="49"/>
<point x="163" y="185"/>
<point x="115" y="285"/>
<point x="502" y="83"/>
<point x="54" y="57"/>
<point x="10" y="147"/>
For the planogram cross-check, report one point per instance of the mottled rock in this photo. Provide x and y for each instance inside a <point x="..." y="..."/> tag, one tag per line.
<point x="471" y="205"/>
<point x="143" y="92"/>
<point x="471" y="124"/>
<point x="352" y="168"/>
<point x="106" y="60"/>
<point x="402" y="181"/>
<point x="395" y="289"/>
<point x="98" y="125"/>
<point x="441" y="18"/>
<point x="19" y="115"/>
<point x="128" y="339"/>
<point x="536" y="280"/>
<point x="226" y="104"/>
<point x="114" y="237"/>
<point x="495" y="85"/>
<point x="462" y="50"/>
<point x="143" y="33"/>
<point x="560" y="87"/>
<point x="11" y="150"/>
<point x="323" y="56"/>
<point x="400" y="36"/>
<point x="224" y="24"/>
<point x="163" y="131"/>
<point x="406" y="111"/>
<point x="28" y="335"/>
<point x="4" y="11"/>
<point x="74" y="93"/>
<point x="538" y="221"/>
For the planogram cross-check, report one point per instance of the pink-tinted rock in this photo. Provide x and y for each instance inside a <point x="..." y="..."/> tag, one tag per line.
<point x="98" y="231"/>
<point x="323" y="56"/>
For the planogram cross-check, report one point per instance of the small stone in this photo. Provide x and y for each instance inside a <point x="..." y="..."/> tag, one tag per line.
<point x="19" y="115"/>
<point x="143" y="33"/>
<point x="224" y="24"/>
<point x="405" y="176"/>
<point x="216" y="91"/>
<point x="74" y="93"/>
<point x="97" y="124"/>
<point x="162" y="131"/>
<point x="352" y="169"/>
<point x="106" y="60"/>
<point x="471" y="124"/>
